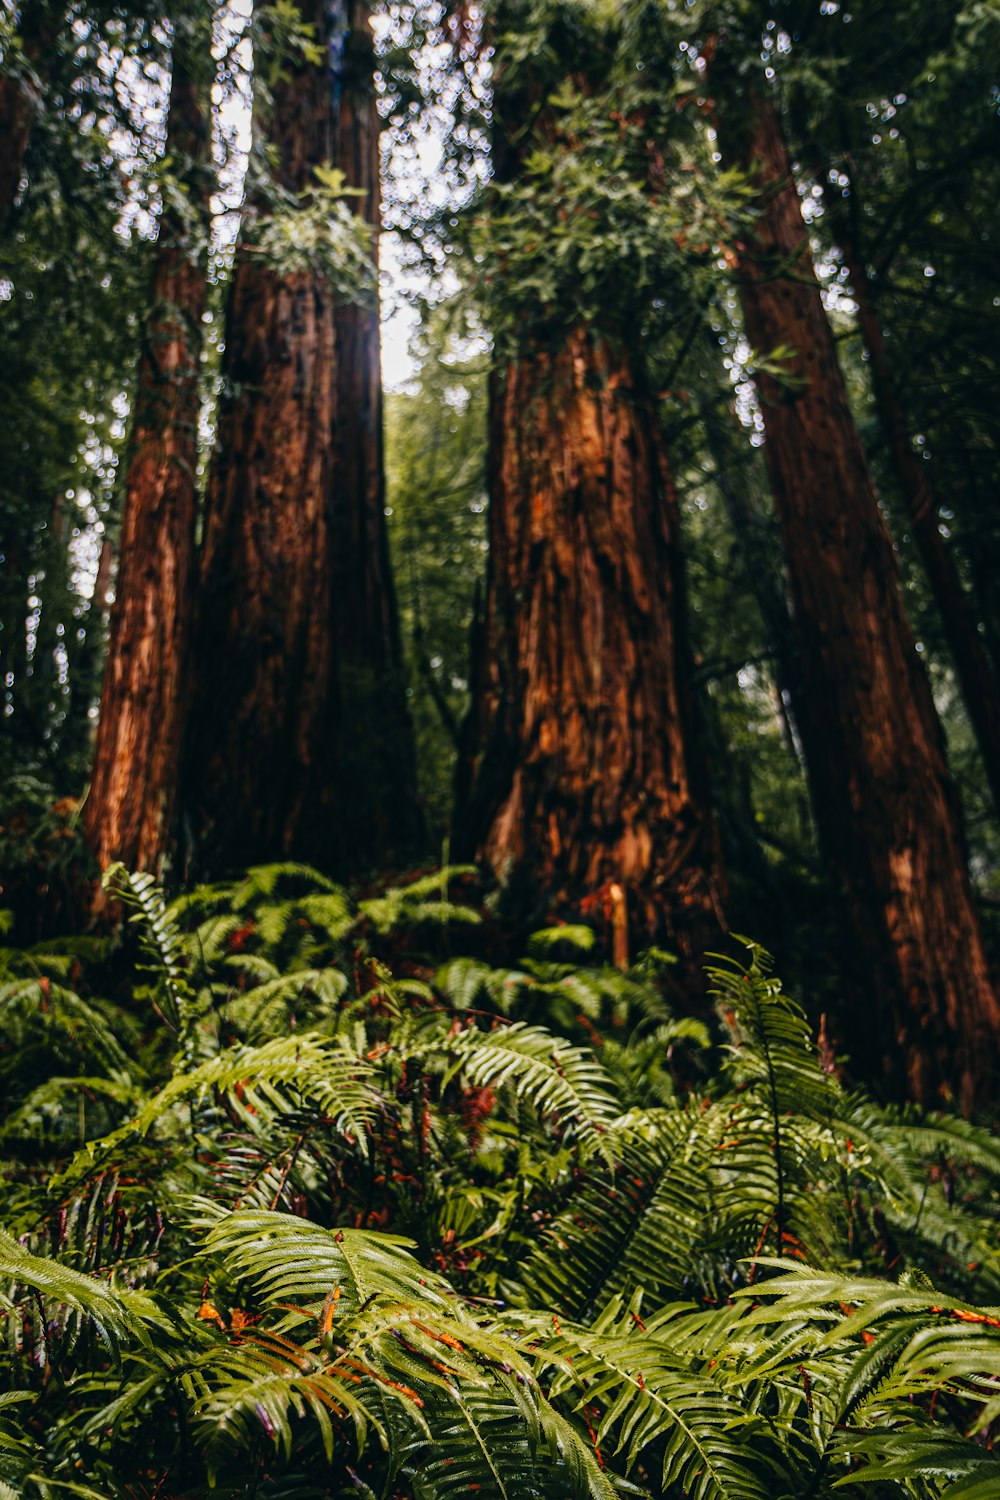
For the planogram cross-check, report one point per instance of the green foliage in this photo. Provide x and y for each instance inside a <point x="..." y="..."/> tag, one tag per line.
<point x="436" y="493"/>
<point x="159" y="936"/>
<point x="317" y="231"/>
<point x="596" y="178"/>
<point x="72" y="288"/>
<point x="115" y="1316"/>
<point x="360" y="1235"/>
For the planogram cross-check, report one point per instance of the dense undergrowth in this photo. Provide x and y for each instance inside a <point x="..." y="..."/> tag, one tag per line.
<point x="281" y="1221"/>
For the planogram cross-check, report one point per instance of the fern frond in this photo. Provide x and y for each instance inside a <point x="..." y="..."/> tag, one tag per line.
<point x="252" y="968"/>
<point x="911" y="1453"/>
<point x="209" y="942"/>
<point x="379" y="1328"/>
<point x="53" y="1015"/>
<point x="912" y="1337"/>
<point x="55" y="1106"/>
<point x="259" y="1388"/>
<point x="423" y="902"/>
<point x="559" y="1079"/>
<point x="159" y="932"/>
<point x="436" y="884"/>
<point x="264" y="880"/>
<point x="288" y="1259"/>
<point x="19" y="1454"/>
<point x="641" y="1224"/>
<point x="468" y="983"/>
<point x="332" y="912"/>
<point x="773" y="1048"/>
<point x="118" y="1315"/>
<point x="651" y="1400"/>
<point x="281" y="1076"/>
<point x="570" y="939"/>
<point x="493" y="1441"/>
<point x="394" y="910"/>
<point x="973" y="1487"/>
<point x="256" y="1010"/>
<point x="642" y="1069"/>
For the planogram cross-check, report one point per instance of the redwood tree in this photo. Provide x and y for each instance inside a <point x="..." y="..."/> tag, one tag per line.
<point x="974" y="667"/>
<point x="299" y="744"/>
<point x="375" y="760"/>
<point x="131" y="808"/>
<point x="885" y="805"/>
<point x="583" y="776"/>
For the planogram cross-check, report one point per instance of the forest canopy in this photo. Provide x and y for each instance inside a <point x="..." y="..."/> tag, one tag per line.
<point x="496" y="502"/>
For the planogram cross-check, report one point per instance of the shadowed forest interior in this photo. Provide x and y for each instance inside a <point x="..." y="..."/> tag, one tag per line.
<point x="499" y="559"/>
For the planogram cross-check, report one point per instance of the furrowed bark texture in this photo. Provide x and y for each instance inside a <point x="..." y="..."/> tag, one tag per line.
<point x="885" y="805"/>
<point x="131" y="809"/>
<point x="585" y="775"/>
<point x="580" y="785"/>
<point x="297" y="638"/>
<point x="974" y="666"/>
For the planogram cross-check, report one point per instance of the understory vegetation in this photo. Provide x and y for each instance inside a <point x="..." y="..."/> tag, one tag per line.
<point x="304" y="1196"/>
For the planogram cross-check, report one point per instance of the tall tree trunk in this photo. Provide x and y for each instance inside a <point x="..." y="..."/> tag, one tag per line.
<point x="131" y="809"/>
<point x="759" y="557"/>
<point x="286" y="758"/>
<point x="37" y="33"/>
<point x="375" y="753"/>
<point x="580" y="785"/>
<point x="885" y="804"/>
<point x="973" y="665"/>
<point x="585" y="776"/>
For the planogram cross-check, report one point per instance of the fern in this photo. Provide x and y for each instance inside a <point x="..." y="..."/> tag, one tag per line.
<point x="276" y="1078"/>
<point x="18" y="1454"/>
<point x="573" y="939"/>
<point x="507" y="1228"/>
<point x="560" y="1080"/>
<point x="160" y="936"/>
<point x="946" y="1341"/>
<point x="117" y="1315"/>
<point x="264" y="1009"/>
<point x="650" y="1398"/>
<point x="63" y="1022"/>
<point x="547" y="987"/>
<point x="640" y="1224"/>
<point x="381" y="1330"/>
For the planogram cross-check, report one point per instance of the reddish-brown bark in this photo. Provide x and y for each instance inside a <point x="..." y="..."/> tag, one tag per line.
<point x="885" y="804"/>
<point x="973" y="664"/>
<point x="579" y="784"/>
<point x="19" y="97"/>
<point x="297" y="641"/>
<point x="584" y="774"/>
<point x="131" y="808"/>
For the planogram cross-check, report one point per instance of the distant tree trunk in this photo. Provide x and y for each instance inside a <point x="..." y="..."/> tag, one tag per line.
<point x="286" y="756"/>
<point x="585" y="776"/>
<point x="762" y="567"/>
<point x="375" y="755"/>
<point x="131" y="809"/>
<point x="973" y="665"/>
<point x="37" y="33"/>
<point x="885" y="804"/>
